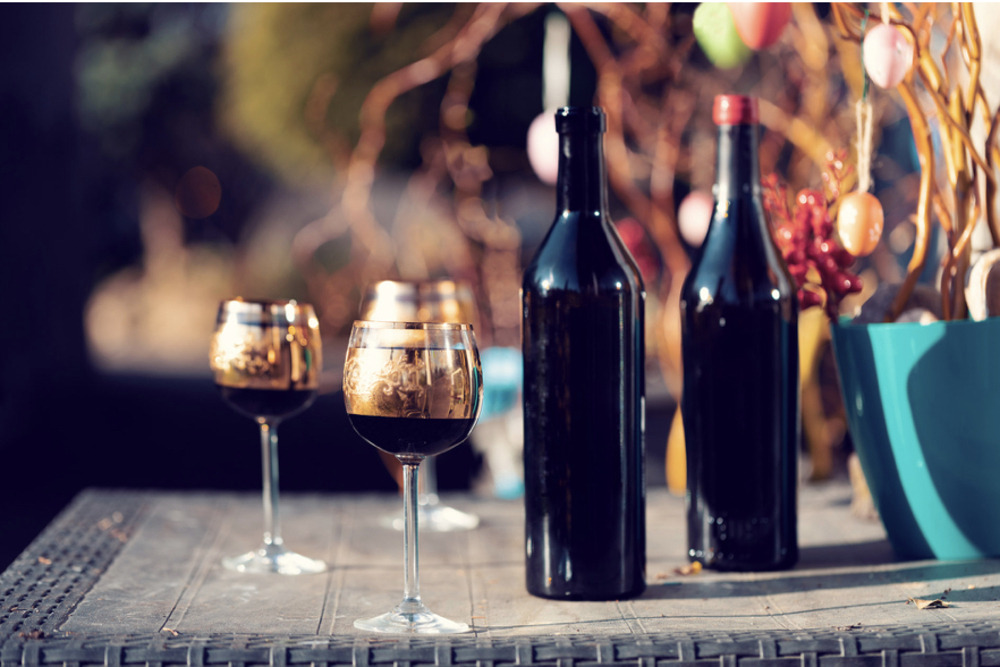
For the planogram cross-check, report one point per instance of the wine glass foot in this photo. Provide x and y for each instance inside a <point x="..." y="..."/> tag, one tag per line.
<point x="435" y="518"/>
<point x="418" y="619"/>
<point x="276" y="561"/>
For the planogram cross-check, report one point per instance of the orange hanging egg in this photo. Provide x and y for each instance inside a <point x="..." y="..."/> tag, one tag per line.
<point x="859" y="223"/>
<point x="760" y="24"/>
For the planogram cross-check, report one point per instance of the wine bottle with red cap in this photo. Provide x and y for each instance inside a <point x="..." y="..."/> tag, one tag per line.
<point x="740" y="400"/>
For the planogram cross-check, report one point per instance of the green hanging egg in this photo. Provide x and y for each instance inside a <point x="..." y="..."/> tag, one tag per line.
<point x="717" y="36"/>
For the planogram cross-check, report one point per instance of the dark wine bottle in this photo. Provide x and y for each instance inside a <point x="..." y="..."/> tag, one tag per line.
<point x="740" y="402"/>
<point x="584" y="388"/>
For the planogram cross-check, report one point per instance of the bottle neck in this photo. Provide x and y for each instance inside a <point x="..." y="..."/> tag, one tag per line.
<point x="737" y="168"/>
<point x="581" y="185"/>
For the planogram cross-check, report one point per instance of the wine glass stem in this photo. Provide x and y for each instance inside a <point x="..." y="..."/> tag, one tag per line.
<point x="411" y="573"/>
<point x="269" y="461"/>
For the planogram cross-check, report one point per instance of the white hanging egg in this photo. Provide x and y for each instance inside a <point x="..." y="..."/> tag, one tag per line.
<point x="543" y="147"/>
<point x="694" y="215"/>
<point x="888" y="55"/>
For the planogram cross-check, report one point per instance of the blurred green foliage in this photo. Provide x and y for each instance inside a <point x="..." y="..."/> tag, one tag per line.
<point x="136" y="64"/>
<point x="275" y="54"/>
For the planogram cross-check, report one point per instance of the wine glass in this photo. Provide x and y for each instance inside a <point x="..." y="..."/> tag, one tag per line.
<point x="424" y="301"/>
<point x="414" y="390"/>
<point x="266" y="358"/>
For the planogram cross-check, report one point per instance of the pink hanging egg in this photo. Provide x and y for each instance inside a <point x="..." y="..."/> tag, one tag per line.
<point x="760" y="24"/>
<point x="543" y="147"/>
<point x="859" y="223"/>
<point x="693" y="216"/>
<point x="888" y="55"/>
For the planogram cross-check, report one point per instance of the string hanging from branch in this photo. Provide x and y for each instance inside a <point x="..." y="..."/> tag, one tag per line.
<point x="860" y="218"/>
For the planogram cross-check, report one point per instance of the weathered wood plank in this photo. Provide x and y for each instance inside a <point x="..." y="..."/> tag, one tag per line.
<point x="169" y="574"/>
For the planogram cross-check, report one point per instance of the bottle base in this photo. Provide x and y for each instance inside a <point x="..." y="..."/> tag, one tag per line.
<point x="578" y="596"/>
<point x="727" y="565"/>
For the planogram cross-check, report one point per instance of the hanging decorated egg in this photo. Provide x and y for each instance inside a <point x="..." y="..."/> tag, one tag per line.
<point x="859" y="223"/>
<point x="888" y="55"/>
<point x="693" y="216"/>
<point x="760" y="24"/>
<point x="543" y="147"/>
<point x="716" y="34"/>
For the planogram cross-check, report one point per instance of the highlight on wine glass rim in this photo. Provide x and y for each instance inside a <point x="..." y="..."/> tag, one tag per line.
<point x="422" y="290"/>
<point x="265" y="312"/>
<point x="451" y="335"/>
<point x="439" y="300"/>
<point x="428" y="326"/>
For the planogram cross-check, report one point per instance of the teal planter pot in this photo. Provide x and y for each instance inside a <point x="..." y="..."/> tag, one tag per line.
<point x="923" y="410"/>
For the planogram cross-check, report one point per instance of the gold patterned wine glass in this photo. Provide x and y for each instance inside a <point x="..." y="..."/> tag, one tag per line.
<point x="414" y="390"/>
<point x="423" y="301"/>
<point x="266" y="358"/>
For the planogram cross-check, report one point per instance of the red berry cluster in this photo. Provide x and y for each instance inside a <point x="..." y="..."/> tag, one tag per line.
<point x="805" y="236"/>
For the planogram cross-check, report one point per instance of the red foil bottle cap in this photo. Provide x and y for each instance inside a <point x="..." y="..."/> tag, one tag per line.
<point x="735" y="110"/>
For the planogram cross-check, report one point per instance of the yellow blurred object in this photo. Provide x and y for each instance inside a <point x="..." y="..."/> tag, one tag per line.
<point x="676" y="456"/>
<point x="820" y="432"/>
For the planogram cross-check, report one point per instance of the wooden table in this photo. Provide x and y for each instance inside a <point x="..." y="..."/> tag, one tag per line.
<point x="133" y="577"/>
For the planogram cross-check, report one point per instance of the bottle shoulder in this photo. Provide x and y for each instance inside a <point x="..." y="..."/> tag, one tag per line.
<point x="738" y="259"/>
<point x="582" y="252"/>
